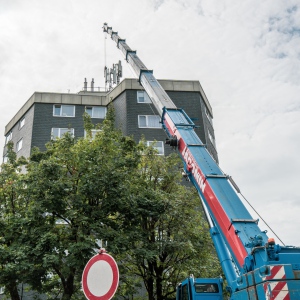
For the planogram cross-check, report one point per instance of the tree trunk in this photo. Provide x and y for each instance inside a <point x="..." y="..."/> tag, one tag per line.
<point x="68" y="288"/>
<point x="150" y="289"/>
<point x="159" y="289"/>
<point x="150" y="282"/>
<point x="13" y="291"/>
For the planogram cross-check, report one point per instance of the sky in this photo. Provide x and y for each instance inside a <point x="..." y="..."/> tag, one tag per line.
<point x="246" y="55"/>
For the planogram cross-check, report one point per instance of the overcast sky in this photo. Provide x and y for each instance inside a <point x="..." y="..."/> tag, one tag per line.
<point x="246" y="55"/>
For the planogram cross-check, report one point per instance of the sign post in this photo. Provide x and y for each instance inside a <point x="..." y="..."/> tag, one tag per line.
<point x="100" y="277"/>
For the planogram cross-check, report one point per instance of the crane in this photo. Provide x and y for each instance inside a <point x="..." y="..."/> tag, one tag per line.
<point x="255" y="266"/>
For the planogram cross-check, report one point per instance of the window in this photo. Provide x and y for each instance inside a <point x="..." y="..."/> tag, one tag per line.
<point x="8" y="138"/>
<point x="142" y="97"/>
<point x="149" y="121"/>
<point x="96" y="111"/>
<point x="59" y="132"/>
<point x="5" y="159"/>
<point x="64" y="110"/>
<point x="94" y="132"/>
<point x="159" y="146"/>
<point x="21" y="123"/>
<point x="206" y="288"/>
<point x="211" y="139"/>
<point x="2" y="290"/>
<point x="19" y="145"/>
<point x="208" y="115"/>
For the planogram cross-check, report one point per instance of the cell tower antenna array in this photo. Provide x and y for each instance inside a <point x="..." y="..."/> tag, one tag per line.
<point x="112" y="75"/>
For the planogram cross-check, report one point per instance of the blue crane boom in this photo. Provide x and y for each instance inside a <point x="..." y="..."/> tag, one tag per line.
<point x="255" y="267"/>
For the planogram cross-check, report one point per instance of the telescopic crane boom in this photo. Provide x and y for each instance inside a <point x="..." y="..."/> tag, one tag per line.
<point x="255" y="267"/>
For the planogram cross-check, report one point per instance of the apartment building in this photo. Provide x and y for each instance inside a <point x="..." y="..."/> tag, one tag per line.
<point x="45" y="116"/>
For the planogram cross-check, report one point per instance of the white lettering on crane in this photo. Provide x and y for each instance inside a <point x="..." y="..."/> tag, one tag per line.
<point x="188" y="158"/>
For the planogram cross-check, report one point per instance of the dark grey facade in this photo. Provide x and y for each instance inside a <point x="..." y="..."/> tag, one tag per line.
<point x="37" y="121"/>
<point x="187" y="95"/>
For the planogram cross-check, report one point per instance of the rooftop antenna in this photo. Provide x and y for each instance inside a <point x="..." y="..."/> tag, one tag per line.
<point x="112" y="75"/>
<point x="85" y="85"/>
<point x="105" y="38"/>
<point x="92" y="85"/>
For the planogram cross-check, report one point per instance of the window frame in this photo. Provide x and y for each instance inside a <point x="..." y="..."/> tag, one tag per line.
<point x="60" y="135"/>
<point x="22" y="123"/>
<point x="210" y="287"/>
<point x="94" y="132"/>
<point x="8" y="138"/>
<point x="147" y="121"/>
<point x="145" y="97"/>
<point x="93" y="107"/>
<point x="5" y="159"/>
<point x="162" y="146"/>
<point x="209" y="117"/>
<point x="61" y="113"/>
<point x="19" y="145"/>
<point x="211" y="138"/>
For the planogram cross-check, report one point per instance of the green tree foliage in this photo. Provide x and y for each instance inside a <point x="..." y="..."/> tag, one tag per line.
<point x="77" y="188"/>
<point x="168" y="236"/>
<point x="104" y="188"/>
<point x="13" y="207"/>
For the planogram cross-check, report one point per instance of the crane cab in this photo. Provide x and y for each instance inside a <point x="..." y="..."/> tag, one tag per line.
<point x="200" y="289"/>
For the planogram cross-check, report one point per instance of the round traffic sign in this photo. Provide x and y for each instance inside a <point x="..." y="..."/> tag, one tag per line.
<point x="100" y="277"/>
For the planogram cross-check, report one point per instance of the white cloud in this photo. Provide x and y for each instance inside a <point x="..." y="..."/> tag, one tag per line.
<point x="246" y="55"/>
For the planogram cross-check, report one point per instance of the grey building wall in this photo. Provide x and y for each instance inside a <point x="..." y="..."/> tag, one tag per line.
<point x="24" y="133"/>
<point x="39" y="121"/>
<point x="120" y="107"/>
<point x="193" y="104"/>
<point x="135" y="109"/>
<point x="127" y="110"/>
<point x="44" y="121"/>
<point x="208" y="125"/>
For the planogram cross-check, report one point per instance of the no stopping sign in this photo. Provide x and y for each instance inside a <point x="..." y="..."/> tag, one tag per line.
<point x="100" y="277"/>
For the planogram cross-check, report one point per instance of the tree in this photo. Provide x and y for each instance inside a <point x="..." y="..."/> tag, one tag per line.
<point x="76" y="188"/>
<point x="80" y="191"/>
<point x="168" y="235"/>
<point x="13" y="264"/>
